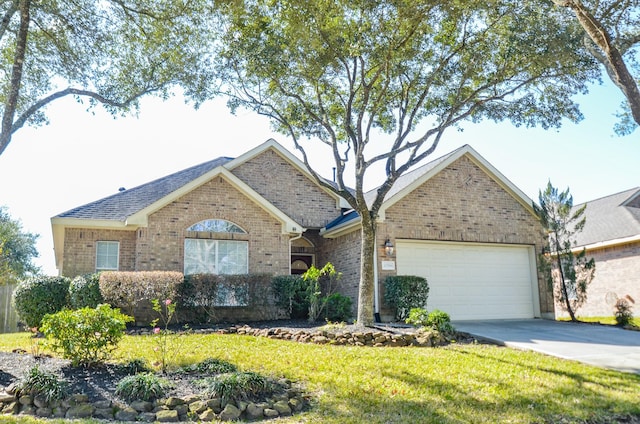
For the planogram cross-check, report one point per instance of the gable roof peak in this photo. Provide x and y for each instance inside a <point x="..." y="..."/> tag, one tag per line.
<point x="123" y="204"/>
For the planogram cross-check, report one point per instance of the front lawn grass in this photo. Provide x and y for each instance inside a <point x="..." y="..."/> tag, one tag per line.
<point x="454" y="384"/>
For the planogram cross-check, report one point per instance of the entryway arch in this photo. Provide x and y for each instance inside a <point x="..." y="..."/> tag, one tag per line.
<point x="302" y="255"/>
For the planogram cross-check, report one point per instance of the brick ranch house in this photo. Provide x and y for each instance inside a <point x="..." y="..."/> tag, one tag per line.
<point x="611" y="236"/>
<point x="456" y="221"/>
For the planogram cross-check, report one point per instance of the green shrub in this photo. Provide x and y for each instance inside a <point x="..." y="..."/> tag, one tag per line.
<point x="42" y="384"/>
<point x="338" y="307"/>
<point x="441" y="321"/>
<point x="36" y="297"/>
<point x="84" y="291"/>
<point x="85" y="336"/>
<point x="290" y="293"/>
<point x="435" y="319"/>
<point x="623" y="313"/>
<point x="144" y="386"/>
<point x="418" y="317"/>
<point x="236" y="386"/>
<point x="403" y="292"/>
<point x="127" y="290"/>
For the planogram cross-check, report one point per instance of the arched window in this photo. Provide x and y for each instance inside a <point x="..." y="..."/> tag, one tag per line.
<point x="216" y="226"/>
<point x="215" y="252"/>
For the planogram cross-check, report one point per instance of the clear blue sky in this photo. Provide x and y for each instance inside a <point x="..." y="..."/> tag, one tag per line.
<point x="81" y="157"/>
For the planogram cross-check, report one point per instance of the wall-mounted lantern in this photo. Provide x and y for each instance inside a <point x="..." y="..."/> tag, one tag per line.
<point x="388" y="248"/>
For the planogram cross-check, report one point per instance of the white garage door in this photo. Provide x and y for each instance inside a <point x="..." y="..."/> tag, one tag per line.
<point x="472" y="281"/>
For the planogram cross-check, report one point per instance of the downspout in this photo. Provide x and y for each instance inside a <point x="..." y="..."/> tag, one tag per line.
<point x="376" y="294"/>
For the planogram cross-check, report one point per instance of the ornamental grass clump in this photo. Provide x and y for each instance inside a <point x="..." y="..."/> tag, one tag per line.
<point x="211" y="366"/>
<point x="145" y="386"/>
<point x="42" y="384"/>
<point x="234" y="386"/>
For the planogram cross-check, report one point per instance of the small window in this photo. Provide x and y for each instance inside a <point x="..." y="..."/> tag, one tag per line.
<point x="107" y="255"/>
<point x="216" y="226"/>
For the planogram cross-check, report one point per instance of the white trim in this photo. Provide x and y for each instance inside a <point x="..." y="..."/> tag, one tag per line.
<point x="140" y="218"/>
<point x="607" y="243"/>
<point x="342" y="229"/>
<point x="476" y="158"/>
<point x="467" y="151"/>
<point x="271" y="144"/>
<point x="99" y="242"/>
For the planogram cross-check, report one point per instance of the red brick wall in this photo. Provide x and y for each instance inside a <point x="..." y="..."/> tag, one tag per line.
<point x="80" y="249"/>
<point x="288" y="189"/>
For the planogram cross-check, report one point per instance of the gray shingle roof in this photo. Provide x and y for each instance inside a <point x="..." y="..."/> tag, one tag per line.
<point x="124" y="204"/>
<point x="610" y="218"/>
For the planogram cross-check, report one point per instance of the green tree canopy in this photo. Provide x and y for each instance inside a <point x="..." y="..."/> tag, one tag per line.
<point x="612" y="36"/>
<point x="381" y="82"/>
<point x="108" y="52"/>
<point x="17" y="250"/>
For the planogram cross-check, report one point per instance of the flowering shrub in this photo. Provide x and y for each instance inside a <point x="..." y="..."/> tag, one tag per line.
<point x="166" y="310"/>
<point x="85" y="336"/>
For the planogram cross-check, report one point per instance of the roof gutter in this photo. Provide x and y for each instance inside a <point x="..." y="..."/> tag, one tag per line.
<point x="608" y="243"/>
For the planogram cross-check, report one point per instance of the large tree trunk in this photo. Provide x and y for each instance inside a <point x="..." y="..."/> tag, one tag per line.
<point x="367" y="275"/>
<point x="16" y="76"/>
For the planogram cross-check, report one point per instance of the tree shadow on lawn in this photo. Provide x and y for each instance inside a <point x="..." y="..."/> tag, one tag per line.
<point x="607" y="379"/>
<point x="514" y="392"/>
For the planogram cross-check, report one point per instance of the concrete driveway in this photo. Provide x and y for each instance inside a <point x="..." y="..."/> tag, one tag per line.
<point x="599" y="345"/>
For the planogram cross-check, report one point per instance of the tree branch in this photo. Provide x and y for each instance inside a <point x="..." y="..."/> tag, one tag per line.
<point x="613" y="61"/>
<point x="6" y="19"/>
<point x="16" y="76"/>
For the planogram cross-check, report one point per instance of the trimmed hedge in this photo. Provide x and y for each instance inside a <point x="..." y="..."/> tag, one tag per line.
<point x="84" y="291"/>
<point x="127" y="290"/>
<point x="404" y="292"/>
<point x="36" y="297"/>
<point x="204" y="294"/>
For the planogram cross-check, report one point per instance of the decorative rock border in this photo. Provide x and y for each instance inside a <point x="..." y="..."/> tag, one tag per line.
<point x="374" y="338"/>
<point x="173" y="409"/>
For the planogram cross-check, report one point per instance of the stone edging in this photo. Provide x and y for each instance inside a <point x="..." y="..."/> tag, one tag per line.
<point x="173" y="409"/>
<point x="367" y="337"/>
<point x="374" y="337"/>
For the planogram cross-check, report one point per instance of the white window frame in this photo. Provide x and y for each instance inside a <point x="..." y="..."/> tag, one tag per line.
<point x="109" y="245"/>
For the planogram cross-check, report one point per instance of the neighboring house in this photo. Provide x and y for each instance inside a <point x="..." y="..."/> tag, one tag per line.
<point x="456" y="220"/>
<point x="611" y="236"/>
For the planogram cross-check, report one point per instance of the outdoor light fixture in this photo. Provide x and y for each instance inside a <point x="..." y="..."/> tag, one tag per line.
<point x="388" y="247"/>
